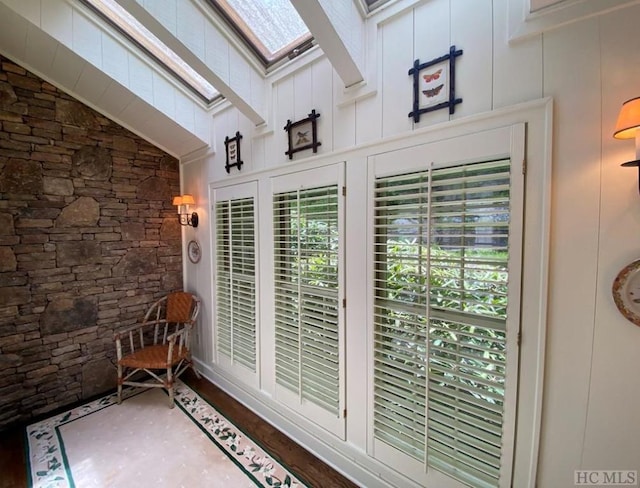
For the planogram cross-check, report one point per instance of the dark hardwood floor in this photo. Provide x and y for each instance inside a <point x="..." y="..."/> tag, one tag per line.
<point x="307" y="467"/>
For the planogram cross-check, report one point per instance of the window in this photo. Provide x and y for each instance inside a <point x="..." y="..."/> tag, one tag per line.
<point x="308" y="304"/>
<point x="140" y="35"/>
<point x="235" y="280"/>
<point x="445" y="240"/>
<point x="271" y="28"/>
<point x="374" y="4"/>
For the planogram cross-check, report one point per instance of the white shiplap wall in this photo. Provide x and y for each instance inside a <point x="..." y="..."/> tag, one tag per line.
<point x="589" y="67"/>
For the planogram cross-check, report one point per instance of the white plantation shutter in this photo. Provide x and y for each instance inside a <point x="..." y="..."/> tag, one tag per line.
<point x="441" y="295"/>
<point x="235" y="284"/>
<point x="306" y="284"/>
<point x="469" y="278"/>
<point x="307" y="299"/>
<point x="400" y="312"/>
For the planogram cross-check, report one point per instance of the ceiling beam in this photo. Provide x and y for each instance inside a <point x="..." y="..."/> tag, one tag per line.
<point x="339" y="29"/>
<point x="255" y="114"/>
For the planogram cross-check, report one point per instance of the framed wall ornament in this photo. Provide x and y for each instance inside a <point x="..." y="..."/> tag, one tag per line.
<point x="303" y="134"/>
<point x="232" y="148"/>
<point x="434" y="84"/>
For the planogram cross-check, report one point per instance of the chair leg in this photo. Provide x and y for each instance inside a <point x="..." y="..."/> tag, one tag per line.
<point x="119" y="384"/>
<point x="170" y="387"/>
<point x="193" y="367"/>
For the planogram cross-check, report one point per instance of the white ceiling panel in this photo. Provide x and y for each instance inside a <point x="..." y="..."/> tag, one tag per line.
<point x="40" y="50"/>
<point x="91" y="83"/>
<point x="115" y="59"/>
<point x="66" y="67"/>
<point x="115" y="99"/>
<point x="13" y="33"/>
<point x="87" y="39"/>
<point x="57" y="21"/>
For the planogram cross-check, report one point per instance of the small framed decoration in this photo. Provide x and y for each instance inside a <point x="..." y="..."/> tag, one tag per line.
<point x="434" y="84"/>
<point x="232" y="147"/>
<point x="626" y="292"/>
<point x="194" y="252"/>
<point x="303" y="134"/>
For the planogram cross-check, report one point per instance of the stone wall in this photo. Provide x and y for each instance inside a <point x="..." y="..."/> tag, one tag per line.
<point x="88" y="240"/>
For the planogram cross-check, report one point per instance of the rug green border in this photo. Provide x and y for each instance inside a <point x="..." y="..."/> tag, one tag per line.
<point x="249" y="474"/>
<point x="63" y="452"/>
<point x="302" y="479"/>
<point x="27" y="457"/>
<point x="128" y="393"/>
<point x="132" y="393"/>
<point x="258" y="443"/>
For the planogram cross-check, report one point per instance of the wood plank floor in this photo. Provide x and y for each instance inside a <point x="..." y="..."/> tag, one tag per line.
<point x="307" y="467"/>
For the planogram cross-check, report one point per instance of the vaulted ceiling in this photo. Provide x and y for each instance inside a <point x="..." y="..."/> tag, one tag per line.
<point x="68" y="43"/>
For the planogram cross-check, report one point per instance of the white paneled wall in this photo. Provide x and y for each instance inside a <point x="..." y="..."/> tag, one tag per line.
<point x="575" y="244"/>
<point x="432" y="39"/>
<point x="474" y="73"/>
<point x="517" y="67"/>
<point x="199" y="273"/>
<point x="396" y="87"/>
<point x="589" y="67"/>
<point x="612" y="435"/>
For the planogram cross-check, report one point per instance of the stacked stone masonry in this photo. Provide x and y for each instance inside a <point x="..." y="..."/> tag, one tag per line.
<point x="88" y="240"/>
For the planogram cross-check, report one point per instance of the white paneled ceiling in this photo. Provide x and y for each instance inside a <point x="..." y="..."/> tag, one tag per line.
<point x="143" y="86"/>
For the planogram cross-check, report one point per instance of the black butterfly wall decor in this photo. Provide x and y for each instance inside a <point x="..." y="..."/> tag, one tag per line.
<point x="302" y="134"/>
<point x="232" y="150"/>
<point x="434" y="88"/>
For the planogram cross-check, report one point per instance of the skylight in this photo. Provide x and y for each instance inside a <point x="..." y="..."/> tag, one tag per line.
<point x="145" y="39"/>
<point x="374" y="4"/>
<point x="273" y="28"/>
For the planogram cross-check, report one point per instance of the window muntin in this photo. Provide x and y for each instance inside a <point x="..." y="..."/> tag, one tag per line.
<point x="139" y="34"/>
<point x="440" y="302"/>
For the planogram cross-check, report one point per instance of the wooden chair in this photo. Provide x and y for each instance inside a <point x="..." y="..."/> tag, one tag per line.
<point x="160" y="342"/>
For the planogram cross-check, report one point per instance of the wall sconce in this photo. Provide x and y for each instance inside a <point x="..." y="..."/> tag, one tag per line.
<point x="628" y="128"/>
<point x="183" y="202"/>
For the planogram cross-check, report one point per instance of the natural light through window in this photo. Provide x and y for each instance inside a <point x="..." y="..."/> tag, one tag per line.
<point x="130" y="26"/>
<point x="374" y="4"/>
<point x="272" y="26"/>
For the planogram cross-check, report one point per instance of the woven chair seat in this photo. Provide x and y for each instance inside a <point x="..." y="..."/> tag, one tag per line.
<point x="153" y="357"/>
<point x="169" y="320"/>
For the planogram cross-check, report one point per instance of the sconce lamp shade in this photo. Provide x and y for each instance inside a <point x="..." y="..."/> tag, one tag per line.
<point x="628" y="119"/>
<point x="183" y="202"/>
<point x="188" y="199"/>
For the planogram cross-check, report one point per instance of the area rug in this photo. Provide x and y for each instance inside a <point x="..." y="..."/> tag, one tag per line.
<point x="144" y="443"/>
